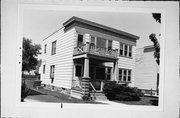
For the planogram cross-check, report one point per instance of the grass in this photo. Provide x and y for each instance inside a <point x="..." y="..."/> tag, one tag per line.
<point x="63" y="98"/>
<point x="149" y="101"/>
<point x="68" y="99"/>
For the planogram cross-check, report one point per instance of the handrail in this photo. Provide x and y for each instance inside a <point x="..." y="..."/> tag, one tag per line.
<point x="92" y="87"/>
<point x="92" y="48"/>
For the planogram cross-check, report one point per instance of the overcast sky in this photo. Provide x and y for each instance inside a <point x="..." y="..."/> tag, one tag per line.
<point x="37" y="25"/>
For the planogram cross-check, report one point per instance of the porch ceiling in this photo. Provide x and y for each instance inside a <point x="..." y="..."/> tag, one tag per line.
<point x="95" y="57"/>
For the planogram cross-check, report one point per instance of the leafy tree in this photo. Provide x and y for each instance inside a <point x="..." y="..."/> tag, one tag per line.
<point x="152" y="37"/>
<point x="30" y="52"/>
<point x="157" y="17"/>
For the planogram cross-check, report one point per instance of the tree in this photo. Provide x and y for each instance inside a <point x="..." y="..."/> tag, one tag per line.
<point x="152" y="37"/>
<point x="157" y="17"/>
<point x="29" y="55"/>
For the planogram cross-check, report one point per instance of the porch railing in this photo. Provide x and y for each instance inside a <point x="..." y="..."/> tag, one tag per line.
<point x="93" y="49"/>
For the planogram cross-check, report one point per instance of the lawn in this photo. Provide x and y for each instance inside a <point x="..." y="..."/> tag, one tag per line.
<point x="62" y="98"/>
<point x="149" y="101"/>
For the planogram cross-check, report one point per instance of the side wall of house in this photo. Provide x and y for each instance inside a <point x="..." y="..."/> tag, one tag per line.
<point x="146" y="70"/>
<point x="62" y="59"/>
<point x="124" y="62"/>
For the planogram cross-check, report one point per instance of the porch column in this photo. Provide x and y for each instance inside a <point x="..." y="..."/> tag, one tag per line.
<point x="115" y="71"/>
<point x="85" y="78"/>
<point x="86" y="67"/>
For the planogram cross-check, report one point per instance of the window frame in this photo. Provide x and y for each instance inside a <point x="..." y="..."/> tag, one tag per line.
<point x="127" y="76"/>
<point x="77" y="44"/>
<point x="52" y="72"/>
<point x="125" y="52"/>
<point x="108" y="73"/>
<point x="53" y="49"/>
<point x="44" y="69"/>
<point x="45" y="48"/>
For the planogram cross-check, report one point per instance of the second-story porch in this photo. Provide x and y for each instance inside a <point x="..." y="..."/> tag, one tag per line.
<point x="95" y="51"/>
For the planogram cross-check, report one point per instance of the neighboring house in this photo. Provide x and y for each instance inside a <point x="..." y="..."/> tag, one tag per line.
<point x="83" y="55"/>
<point x="146" y="70"/>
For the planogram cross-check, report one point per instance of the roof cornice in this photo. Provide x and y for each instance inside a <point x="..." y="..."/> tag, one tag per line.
<point x="103" y="27"/>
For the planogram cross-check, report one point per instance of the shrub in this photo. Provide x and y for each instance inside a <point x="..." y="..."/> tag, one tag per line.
<point x="24" y="90"/>
<point x="115" y="91"/>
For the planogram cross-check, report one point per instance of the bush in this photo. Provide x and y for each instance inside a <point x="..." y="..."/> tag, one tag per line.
<point x="24" y="90"/>
<point x="115" y="91"/>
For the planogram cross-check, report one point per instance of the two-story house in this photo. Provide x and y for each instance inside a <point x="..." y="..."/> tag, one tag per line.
<point x="83" y="55"/>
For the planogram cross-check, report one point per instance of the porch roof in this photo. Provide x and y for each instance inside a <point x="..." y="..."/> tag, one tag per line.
<point x="71" y="22"/>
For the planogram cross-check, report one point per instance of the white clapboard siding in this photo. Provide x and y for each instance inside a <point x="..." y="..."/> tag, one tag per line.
<point x="124" y="62"/>
<point x="146" y="71"/>
<point x="62" y="59"/>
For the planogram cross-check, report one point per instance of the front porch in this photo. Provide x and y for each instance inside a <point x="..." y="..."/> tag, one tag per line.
<point x="90" y="73"/>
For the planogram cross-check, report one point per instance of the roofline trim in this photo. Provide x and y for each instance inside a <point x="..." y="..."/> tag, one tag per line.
<point x="76" y="19"/>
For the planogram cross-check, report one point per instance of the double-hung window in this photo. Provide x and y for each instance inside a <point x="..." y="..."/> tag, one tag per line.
<point x="79" y="40"/>
<point x="44" y="69"/>
<point x="125" y="50"/>
<point x="52" y="71"/>
<point x="53" y="51"/>
<point x="125" y="75"/>
<point x="45" y="46"/>
<point x="108" y="73"/>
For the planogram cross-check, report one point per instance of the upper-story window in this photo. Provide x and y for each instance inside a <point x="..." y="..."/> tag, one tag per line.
<point x="109" y="45"/>
<point x="79" y="40"/>
<point x="53" y="51"/>
<point x="45" y="46"/>
<point x="44" y="69"/>
<point x="101" y="43"/>
<point x="125" y="75"/>
<point x="125" y="50"/>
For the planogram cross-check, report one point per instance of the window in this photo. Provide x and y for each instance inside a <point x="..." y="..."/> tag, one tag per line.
<point x="80" y="40"/>
<point x="44" y="67"/>
<point x="52" y="70"/>
<point x="101" y="43"/>
<point x="45" y="46"/>
<point x="78" y="71"/>
<point x="108" y="73"/>
<point x="130" y="51"/>
<point x="120" y="74"/>
<point x="53" y="51"/>
<point x="93" y="40"/>
<point x="129" y="75"/>
<point x="109" y="45"/>
<point x="125" y="50"/>
<point x="125" y="75"/>
<point x="121" y="49"/>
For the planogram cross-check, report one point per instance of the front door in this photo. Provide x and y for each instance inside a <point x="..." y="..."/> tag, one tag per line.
<point x="98" y="76"/>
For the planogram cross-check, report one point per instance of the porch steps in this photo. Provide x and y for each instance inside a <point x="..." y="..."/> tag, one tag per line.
<point x="99" y="96"/>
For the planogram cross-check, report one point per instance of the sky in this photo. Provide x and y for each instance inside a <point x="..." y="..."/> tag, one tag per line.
<point x="38" y="24"/>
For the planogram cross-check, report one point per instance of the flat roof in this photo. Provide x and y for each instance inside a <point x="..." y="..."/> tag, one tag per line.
<point x="87" y="22"/>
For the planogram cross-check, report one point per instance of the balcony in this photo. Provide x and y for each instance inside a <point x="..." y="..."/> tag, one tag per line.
<point x="92" y="49"/>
